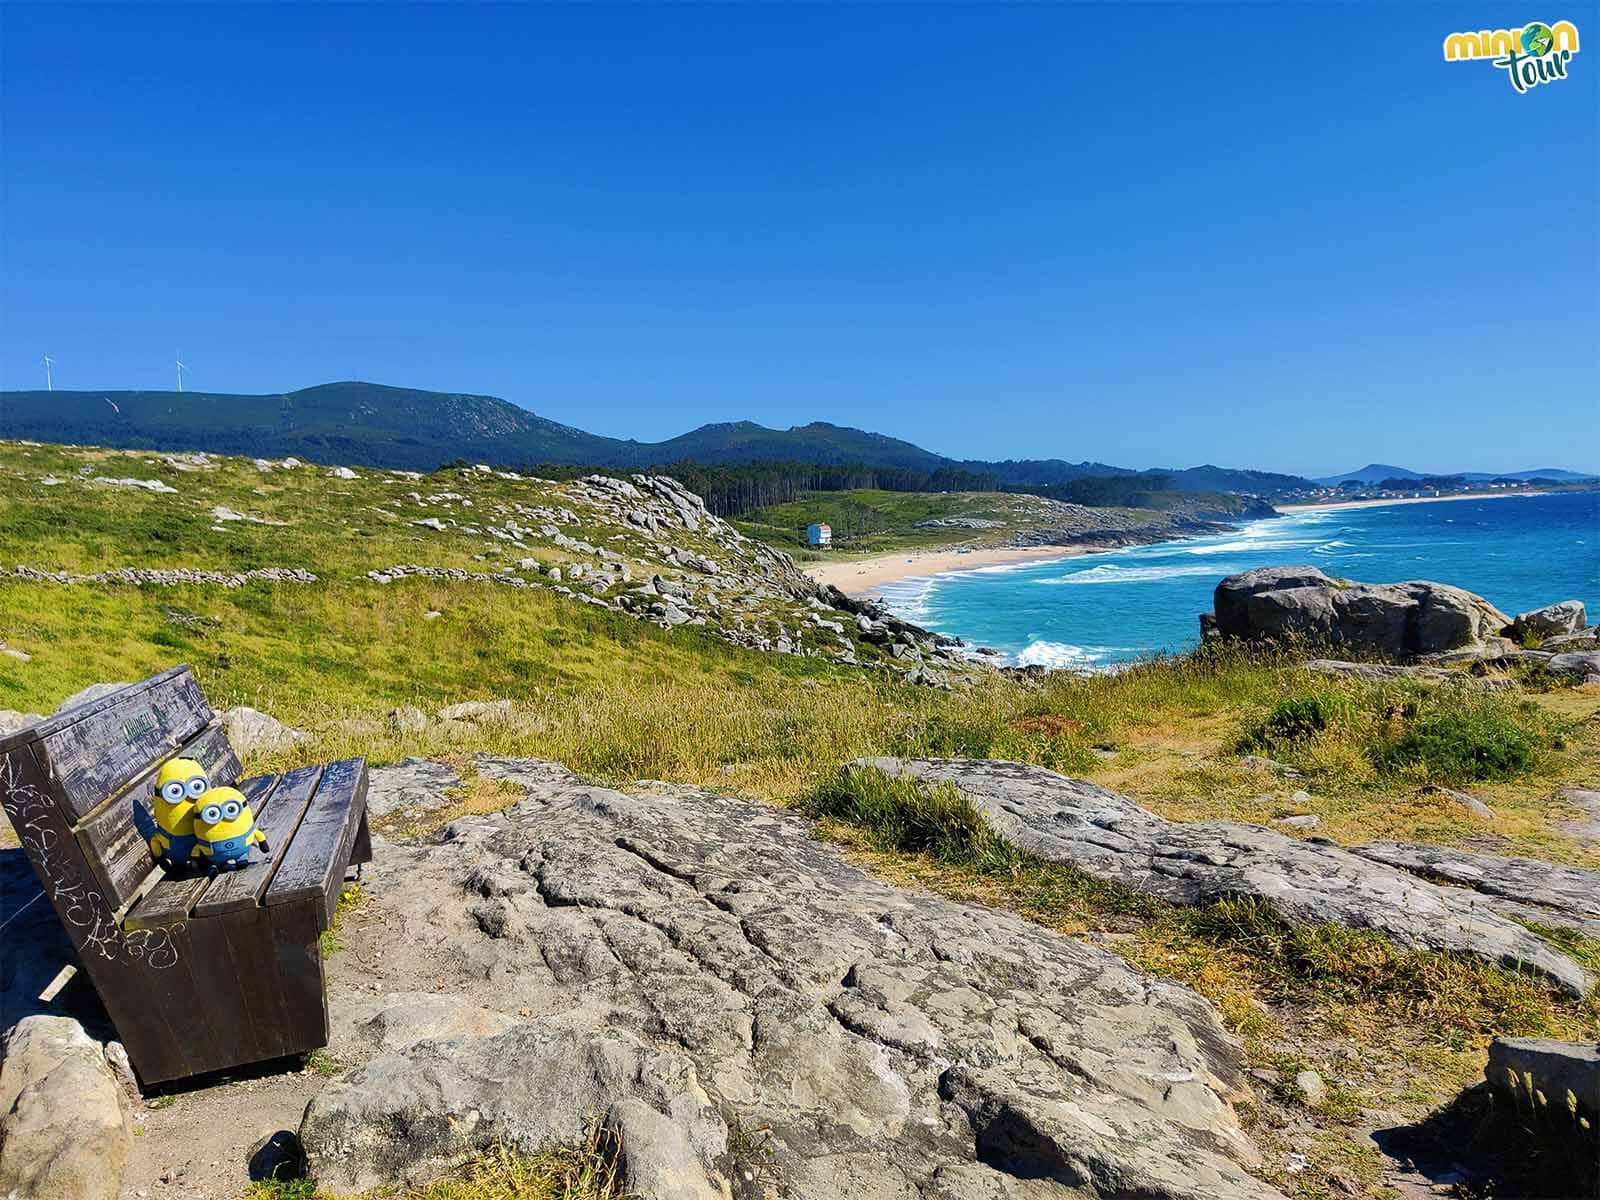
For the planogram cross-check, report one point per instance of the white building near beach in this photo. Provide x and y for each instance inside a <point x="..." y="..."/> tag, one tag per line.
<point x="819" y="535"/>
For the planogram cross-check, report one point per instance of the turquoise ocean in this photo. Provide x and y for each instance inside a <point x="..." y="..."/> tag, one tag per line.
<point x="1097" y="610"/>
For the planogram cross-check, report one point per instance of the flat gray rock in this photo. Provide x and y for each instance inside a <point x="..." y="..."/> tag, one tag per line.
<point x="416" y="785"/>
<point x="1307" y="882"/>
<point x="1586" y="826"/>
<point x="1526" y="889"/>
<point x="1582" y="665"/>
<point x="736" y="1002"/>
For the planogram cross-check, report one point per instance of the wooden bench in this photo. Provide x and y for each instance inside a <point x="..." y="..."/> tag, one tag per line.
<point x="197" y="974"/>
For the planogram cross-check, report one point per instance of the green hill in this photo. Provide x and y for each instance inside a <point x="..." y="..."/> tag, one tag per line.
<point x="370" y="424"/>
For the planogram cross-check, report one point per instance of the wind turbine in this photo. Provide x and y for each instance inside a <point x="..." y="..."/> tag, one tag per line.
<point x="49" y="384"/>
<point x="181" y="370"/>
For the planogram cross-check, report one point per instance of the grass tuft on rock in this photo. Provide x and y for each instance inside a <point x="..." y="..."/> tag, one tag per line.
<point x="583" y="1172"/>
<point x="900" y="814"/>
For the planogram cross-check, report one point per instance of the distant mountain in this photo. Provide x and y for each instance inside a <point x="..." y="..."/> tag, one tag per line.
<point x="818" y="442"/>
<point x="1226" y="479"/>
<point x="362" y="424"/>
<point x="1555" y="473"/>
<point x="1378" y="472"/>
<point x="369" y="424"/>
<point x="1371" y="473"/>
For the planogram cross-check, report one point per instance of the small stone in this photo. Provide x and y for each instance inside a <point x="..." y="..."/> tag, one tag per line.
<point x="1299" y="821"/>
<point x="1311" y="1087"/>
<point x="482" y="712"/>
<point x="407" y="718"/>
<point x="278" y="1156"/>
<point x="1471" y="803"/>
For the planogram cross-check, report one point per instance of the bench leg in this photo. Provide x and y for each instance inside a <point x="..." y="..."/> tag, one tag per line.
<point x="361" y="848"/>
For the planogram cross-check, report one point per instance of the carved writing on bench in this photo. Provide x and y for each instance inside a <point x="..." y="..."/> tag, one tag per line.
<point x="92" y="926"/>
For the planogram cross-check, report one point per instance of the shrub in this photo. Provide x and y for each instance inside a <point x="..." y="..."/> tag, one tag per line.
<point x="1461" y="745"/>
<point x="1298" y="719"/>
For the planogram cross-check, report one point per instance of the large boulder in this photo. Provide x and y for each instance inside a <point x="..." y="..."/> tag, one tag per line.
<point x="1553" y="620"/>
<point x="64" y="1132"/>
<point x="1395" y="620"/>
<point x="727" y="1000"/>
<point x="1304" y="882"/>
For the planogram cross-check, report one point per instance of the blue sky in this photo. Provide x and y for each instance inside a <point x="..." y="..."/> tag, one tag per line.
<point x="1280" y="236"/>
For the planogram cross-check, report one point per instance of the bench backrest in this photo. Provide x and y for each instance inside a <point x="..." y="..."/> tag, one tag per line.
<point x="73" y="777"/>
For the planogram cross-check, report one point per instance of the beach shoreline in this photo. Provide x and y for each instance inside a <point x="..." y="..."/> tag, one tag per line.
<point x="1330" y="504"/>
<point x="865" y="576"/>
<point x="859" y="577"/>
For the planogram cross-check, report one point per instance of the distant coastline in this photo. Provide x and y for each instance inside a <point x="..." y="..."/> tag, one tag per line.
<point x="1298" y="508"/>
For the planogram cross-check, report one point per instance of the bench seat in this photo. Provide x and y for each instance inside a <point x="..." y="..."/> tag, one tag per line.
<point x="197" y="973"/>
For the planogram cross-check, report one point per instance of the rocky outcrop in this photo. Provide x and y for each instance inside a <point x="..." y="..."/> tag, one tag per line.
<point x="711" y="575"/>
<point x="64" y="1132"/>
<point x="1553" y="620"/>
<point x="1394" y="620"/>
<point x="1306" y="882"/>
<point x="1556" y="1069"/>
<point x="738" y="1009"/>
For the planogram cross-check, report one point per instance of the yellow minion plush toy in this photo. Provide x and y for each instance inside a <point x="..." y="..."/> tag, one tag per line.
<point x="169" y="831"/>
<point x="225" y="829"/>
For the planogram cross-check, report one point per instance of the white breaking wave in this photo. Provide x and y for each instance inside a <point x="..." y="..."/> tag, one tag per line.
<point x="1252" y="546"/>
<point x="1056" y="655"/>
<point x="1110" y="573"/>
<point x="908" y="598"/>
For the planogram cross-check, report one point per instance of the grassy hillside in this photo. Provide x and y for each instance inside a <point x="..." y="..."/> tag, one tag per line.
<point x="621" y="699"/>
<point x="874" y="522"/>
<point x="367" y="424"/>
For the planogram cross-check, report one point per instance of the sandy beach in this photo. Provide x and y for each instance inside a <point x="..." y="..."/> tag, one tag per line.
<point x="1294" y="508"/>
<point x="860" y="576"/>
